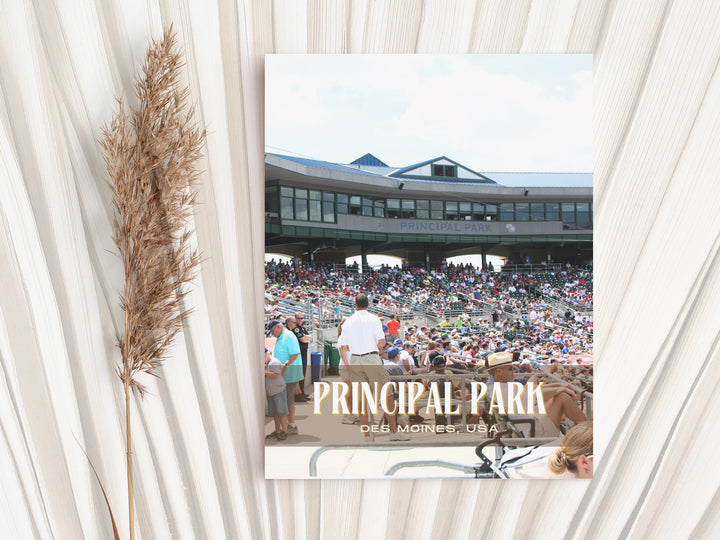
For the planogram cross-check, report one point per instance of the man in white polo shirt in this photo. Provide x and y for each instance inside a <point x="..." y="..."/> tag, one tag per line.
<point x="363" y="337"/>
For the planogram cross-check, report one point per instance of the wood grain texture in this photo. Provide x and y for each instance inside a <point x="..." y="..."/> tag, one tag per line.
<point x="198" y="444"/>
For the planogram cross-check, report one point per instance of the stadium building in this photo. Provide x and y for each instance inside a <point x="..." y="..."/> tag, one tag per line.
<point x="324" y="212"/>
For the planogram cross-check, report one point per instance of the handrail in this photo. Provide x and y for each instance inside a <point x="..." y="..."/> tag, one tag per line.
<point x="430" y="463"/>
<point x="419" y="444"/>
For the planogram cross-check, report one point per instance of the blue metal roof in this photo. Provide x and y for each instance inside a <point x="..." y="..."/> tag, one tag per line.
<point x="509" y="179"/>
<point x="370" y="160"/>
<point x="324" y="164"/>
<point x="541" y="179"/>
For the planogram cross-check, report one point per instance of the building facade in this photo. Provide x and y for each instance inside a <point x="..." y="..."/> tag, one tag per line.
<point x="325" y="212"/>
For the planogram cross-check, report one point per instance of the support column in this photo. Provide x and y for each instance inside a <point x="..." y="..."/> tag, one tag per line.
<point x="311" y="253"/>
<point x="427" y="258"/>
<point x="363" y="256"/>
<point x="483" y="253"/>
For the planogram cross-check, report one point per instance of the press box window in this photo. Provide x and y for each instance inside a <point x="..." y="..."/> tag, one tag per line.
<point x="380" y="208"/>
<point x="408" y="209"/>
<point x="301" y="209"/>
<point x="583" y="214"/>
<point x="552" y="211"/>
<point x="507" y="212"/>
<point x="286" y="208"/>
<point x="436" y="209"/>
<point x="393" y="208"/>
<point x="537" y="211"/>
<point x="522" y="211"/>
<point x="328" y="207"/>
<point x="342" y="203"/>
<point x="568" y="212"/>
<point x="367" y="207"/>
<point x="355" y="209"/>
<point x="478" y="212"/>
<point x="423" y="209"/>
<point x="445" y="171"/>
<point x="271" y="199"/>
<point x="315" y="210"/>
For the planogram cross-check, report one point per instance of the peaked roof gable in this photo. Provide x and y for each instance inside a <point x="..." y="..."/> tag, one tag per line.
<point x="369" y="160"/>
<point x="425" y="171"/>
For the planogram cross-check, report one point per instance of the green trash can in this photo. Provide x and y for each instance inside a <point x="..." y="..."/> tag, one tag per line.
<point x="332" y="354"/>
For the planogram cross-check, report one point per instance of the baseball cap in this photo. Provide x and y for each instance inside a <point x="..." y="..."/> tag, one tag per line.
<point x="393" y="352"/>
<point x="398" y="342"/>
<point x="272" y="324"/>
<point x="436" y="358"/>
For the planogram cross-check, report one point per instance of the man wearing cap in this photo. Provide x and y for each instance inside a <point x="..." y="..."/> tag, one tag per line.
<point x="391" y="365"/>
<point x="363" y="337"/>
<point x="438" y="362"/>
<point x="406" y="360"/>
<point x="559" y="399"/>
<point x="287" y="351"/>
<point x="304" y="338"/>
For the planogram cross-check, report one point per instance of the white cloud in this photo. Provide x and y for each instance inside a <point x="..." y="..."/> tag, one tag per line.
<point x="500" y="122"/>
<point x="410" y="108"/>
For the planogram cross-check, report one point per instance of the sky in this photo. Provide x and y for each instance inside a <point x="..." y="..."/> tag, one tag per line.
<point x="491" y="113"/>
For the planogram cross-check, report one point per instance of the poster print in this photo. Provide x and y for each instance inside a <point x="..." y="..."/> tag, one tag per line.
<point x="428" y="302"/>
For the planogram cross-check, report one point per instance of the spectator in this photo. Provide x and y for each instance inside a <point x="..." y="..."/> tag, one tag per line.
<point x="276" y="396"/>
<point x="393" y="328"/>
<point x="438" y="363"/>
<point x="559" y="399"/>
<point x="346" y="374"/>
<point x="363" y="337"/>
<point x="576" y="453"/>
<point x="287" y="351"/>
<point x="304" y="338"/>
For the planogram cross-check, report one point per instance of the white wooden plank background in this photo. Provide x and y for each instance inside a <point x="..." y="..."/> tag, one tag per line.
<point x="198" y="437"/>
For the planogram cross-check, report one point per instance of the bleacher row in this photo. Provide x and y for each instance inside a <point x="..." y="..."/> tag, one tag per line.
<point x="536" y="286"/>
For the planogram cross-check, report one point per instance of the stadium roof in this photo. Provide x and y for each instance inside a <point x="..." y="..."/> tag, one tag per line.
<point x="412" y="171"/>
<point x="370" y="165"/>
<point x="541" y="179"/>
<point x="369" y="159"/>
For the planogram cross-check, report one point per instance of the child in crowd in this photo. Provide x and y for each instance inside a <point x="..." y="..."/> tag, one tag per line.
<point x="276" y="396"/>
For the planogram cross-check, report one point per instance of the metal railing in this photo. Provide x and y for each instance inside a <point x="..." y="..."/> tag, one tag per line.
<point x="530" y="268"/>
<point x="470" y="469"/>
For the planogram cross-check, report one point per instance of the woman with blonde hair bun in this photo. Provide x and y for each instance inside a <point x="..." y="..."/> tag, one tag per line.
<point x="576" y="453"/>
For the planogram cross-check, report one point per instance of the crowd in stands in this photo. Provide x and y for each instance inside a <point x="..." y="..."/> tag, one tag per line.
<point x="402" y="290"/>
<point x="543" y="319"/>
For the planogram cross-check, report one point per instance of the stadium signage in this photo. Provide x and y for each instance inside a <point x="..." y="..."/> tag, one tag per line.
<point x="461" y="227"/>
<point x="445" y="226"/>
<point x="372" y="397"/>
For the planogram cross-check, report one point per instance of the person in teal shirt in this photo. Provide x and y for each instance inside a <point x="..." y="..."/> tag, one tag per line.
<point x="287" y="351"/>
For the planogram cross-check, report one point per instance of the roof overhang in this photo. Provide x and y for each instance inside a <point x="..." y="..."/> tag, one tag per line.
<point x="290" y="173"/>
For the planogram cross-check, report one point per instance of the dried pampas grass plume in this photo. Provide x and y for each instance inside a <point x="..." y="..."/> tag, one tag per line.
<point x="151" y="155"/>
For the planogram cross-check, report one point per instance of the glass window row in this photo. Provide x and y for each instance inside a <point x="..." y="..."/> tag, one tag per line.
<point x="322" y="206"/>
